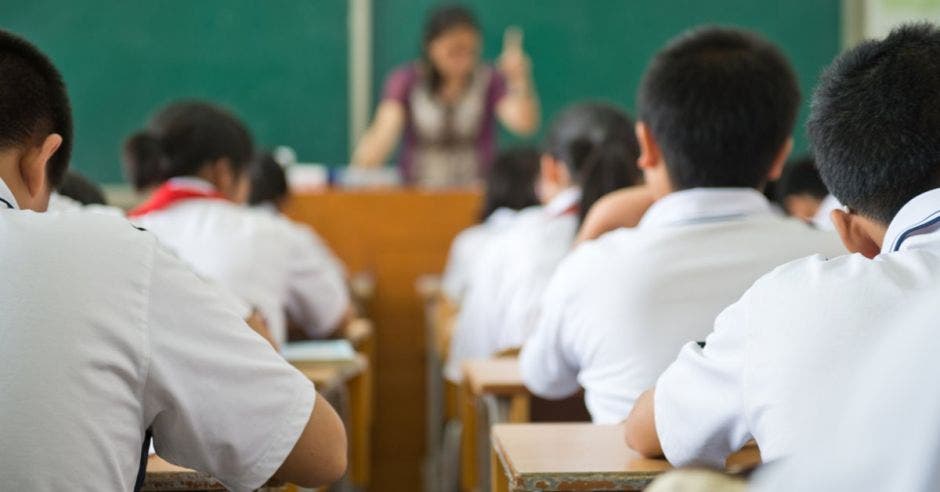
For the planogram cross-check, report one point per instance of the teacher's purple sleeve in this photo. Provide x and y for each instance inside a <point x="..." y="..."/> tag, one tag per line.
<point x="398" y="84"/>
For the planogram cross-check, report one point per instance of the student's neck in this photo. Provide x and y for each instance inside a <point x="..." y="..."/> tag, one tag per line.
<point x="10" y="174"/>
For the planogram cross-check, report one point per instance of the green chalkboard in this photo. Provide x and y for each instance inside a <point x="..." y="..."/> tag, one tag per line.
<point x="598" y="49"/>
<point x="280" y="64"/>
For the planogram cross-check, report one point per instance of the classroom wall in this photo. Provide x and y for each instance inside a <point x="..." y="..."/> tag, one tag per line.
<point x="598" y="49"/>
<point x="281" y="64"/>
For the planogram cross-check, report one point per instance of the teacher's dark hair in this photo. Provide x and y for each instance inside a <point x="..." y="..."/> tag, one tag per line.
<point x="511" y="182"/>
<point x="181" y="139"/>
<point x="597" y="143"/>
<point x="33" y="103"/>
<point x="441" y="20"/>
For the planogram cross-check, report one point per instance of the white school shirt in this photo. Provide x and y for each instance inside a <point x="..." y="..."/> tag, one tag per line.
<point x="468" y="247"/>
<point x="822" y="220"/>
<point x="271" y="263"/>
<point x="502" y="300"/>
<point x="801" y="322"/>
<point x="619" y="308"/>
<point x="880" y="428"/>
<point x="62" y="203"/>
<point x="104" y="334"/>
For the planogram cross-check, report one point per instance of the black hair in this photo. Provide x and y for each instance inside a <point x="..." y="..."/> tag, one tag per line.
<point x="33" y="102"/>
<point x="268" y="180"/>
<point x="720" y="103"/>
<point x="597" y="143"/>
<point x="81" y="189"/>
<point x="181" y="139"/>
<point x="800" y="177"/>
<point x="511" y="182"/>
<point x="439" y="21"/>
<point x="875" y="122"/>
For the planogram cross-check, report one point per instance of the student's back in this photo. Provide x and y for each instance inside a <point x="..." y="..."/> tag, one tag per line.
<point x="618" y="308"/>
<point x="760" y="371"/>
<point x="590" y="150"/>
<point x="104" y="335"/>
<point x="99" y="331"/>
<point x="270" y="263"/>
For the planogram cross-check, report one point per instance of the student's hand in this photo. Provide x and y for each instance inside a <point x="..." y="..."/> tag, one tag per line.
<point x="513" y="62"/>
<point x="257" y="322"/>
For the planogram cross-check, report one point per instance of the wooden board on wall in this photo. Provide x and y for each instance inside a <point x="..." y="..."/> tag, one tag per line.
<point x="397" y="235"/>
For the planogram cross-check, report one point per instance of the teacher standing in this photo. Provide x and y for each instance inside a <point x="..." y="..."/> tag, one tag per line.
<point x="445" y="106"/>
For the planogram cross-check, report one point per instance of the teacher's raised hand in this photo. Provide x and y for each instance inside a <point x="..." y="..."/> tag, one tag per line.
<point x="519" y="109"/>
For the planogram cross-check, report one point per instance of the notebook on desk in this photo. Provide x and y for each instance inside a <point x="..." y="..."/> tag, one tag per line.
<point x="319" y="351"/>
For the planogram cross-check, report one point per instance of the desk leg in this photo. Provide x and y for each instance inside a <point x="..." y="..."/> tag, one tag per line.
<point x="468" y="434"/>
<point x="360" y="392"/>
<point x="499" y="482"/>
<point x="519" y="409"/>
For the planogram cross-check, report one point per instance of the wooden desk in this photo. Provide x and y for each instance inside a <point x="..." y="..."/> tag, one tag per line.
<point x="396" y="236"/>
<point x="575" y="457"/>
<point x="492" y="388"/>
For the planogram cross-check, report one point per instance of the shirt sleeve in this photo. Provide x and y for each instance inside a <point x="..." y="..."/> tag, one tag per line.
<point x="497" y="90"/>
<point x="699" y="407"/>
<point x="548" y="368"/>
<point x="398" y="85"/>
<point x="218" y="397"/>
<point x="318" y="296"/>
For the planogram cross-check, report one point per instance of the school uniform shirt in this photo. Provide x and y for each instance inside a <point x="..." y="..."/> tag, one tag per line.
<point x="822" y="220"/>
<point x="620" y="307"/>
<point x="799" y="323"/>
<point x="467" y="249"/>
<point x="104" y="334"/>
<point x="62" y="203"/>
<point x="271" y="263"/>
<point x="501" y="303"/>
<point x="880" y="428"/>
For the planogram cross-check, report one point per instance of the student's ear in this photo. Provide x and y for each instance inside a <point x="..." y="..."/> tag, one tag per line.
<point x="856" y="233"/>
<point x="780" y="161"/>
<point x="651" y="162"/>
<point x="650" y="154"/>
<point x="33" y="167"/>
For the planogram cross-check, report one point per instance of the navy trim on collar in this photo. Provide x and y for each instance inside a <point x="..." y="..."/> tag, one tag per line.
<point x="8" y="204"/>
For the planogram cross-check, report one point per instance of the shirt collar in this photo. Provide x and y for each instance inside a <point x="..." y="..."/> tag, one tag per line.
<point x="191" y="183"/>
<point x="563" y="201"/>
<point x="916" y="224"/>
<point x="700" y="205"/>
<point x="7" y="200"/>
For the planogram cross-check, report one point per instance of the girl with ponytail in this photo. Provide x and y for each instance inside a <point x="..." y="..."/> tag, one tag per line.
<point x="196" y="156"/>
<point x="590" y="150"/>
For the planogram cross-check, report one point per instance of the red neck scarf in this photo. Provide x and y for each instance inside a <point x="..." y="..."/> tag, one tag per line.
<point x="168" y="195"/>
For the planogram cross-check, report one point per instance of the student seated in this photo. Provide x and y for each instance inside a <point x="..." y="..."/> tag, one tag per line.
<point x="619" y="307"/>
<point x="801" y="191"/>
<point x="197" y="211"/>
<point x="805" y="320"/>
<point x="106" y="335"/>
<point x="590" y="150"/>
<point x="269" y="192"/>
<point x="510" y="187"/>
<point x="879" y="428"/>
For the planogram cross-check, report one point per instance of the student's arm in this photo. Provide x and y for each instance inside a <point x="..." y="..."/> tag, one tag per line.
<point x="318" y="296"/>
<point x="697" y="415"/>
<point x="548" y="365"/>
<point x="256" y="322"/>
<point x="518" y="108"/>
<point x="219" y="399"/>
<point x="312" y="462"/>
<point x="640" y="427"/>
<point x="622" y="208"/>
<point x="382" y="137"/>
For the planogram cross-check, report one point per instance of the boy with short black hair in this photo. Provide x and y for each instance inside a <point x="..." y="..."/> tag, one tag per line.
<point x="716" y="108"/>
<point x="874" y="127"/>
<point x="106" y="335"/>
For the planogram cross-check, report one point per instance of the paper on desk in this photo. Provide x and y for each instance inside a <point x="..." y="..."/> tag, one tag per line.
<point x="319" y="351"/>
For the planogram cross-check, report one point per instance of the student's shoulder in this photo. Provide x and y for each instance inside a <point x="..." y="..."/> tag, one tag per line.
<point x="816" y="273"/>
<point x="606" y="255"/>
<point x="89" y="226"/>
